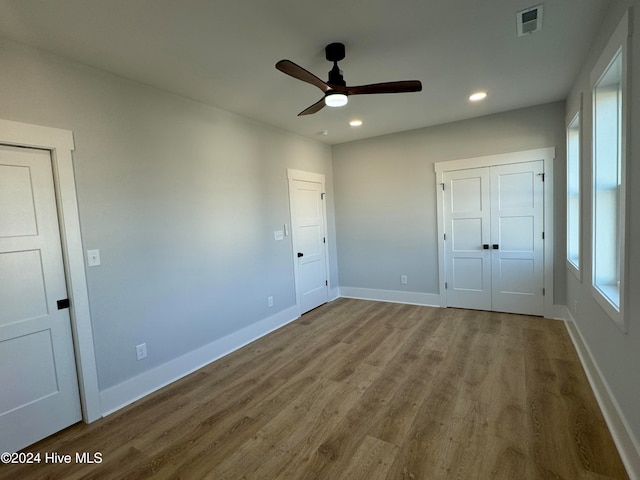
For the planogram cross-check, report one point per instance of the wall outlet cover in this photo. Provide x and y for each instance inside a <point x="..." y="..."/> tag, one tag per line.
<point x="141" y="351"/>
<point x="93" y="258"/>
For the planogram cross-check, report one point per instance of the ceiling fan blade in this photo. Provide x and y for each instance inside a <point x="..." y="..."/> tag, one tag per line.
<point x="387" y="87"/>
<point x="316" y="107"/>
<point x="296" y="71"/>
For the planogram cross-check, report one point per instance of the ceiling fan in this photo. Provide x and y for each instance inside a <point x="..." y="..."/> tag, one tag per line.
<point x="336" y="90"/>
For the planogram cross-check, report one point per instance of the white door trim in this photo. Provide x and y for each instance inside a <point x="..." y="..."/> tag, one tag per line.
<point x="316" y="178"/>
<point x="547" y="155"/>
<point x="60" y="143"/>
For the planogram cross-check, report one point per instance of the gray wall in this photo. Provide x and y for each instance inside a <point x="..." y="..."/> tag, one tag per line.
<point x="386" y="198"/>
<point x="617" y="354"/>
<point x="181" y="199"/>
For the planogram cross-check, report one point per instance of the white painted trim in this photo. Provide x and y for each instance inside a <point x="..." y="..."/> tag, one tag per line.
<point x="575" y="114"/>
<point x="305" y="176"/>
<point x="493" y="160"/>
<point x="628" y="445"/>
<point x="549" y="235"/>
<point x="619" y="42"/>
<point x="558" y="312"/>
<point x="393" y="296"/>
<point x="60" y="143"/>
<point x="547" y="155"/>
<point x="440" y="231"/>
<point x="334" y="293"/>
<point x="118" y="396"/>
<point x="314" y="178"/>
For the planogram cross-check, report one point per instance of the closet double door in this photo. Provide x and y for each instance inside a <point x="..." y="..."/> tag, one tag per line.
<point x="494" y="238"/>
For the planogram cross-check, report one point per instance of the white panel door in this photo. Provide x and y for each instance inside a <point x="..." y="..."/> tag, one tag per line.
<point x="467" y="225"/>
<point x="516" y="229"/>
<point x="307" y="212"/>
<point x="39" y="394"/>
<point x="494" y="247"/>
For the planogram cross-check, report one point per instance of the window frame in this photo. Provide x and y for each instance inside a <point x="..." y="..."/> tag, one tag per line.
<point x="574" y="180"/>
<point x="618" y="45"/>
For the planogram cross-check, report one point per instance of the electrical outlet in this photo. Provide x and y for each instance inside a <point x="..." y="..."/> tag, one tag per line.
<point x="141" y="351"/>
<point x="403" y="279"/>
<point x="270" y="301"/>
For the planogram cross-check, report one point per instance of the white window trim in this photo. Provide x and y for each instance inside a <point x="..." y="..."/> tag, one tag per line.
<point x="619" y="41"/>
<point x="571" y="118"/>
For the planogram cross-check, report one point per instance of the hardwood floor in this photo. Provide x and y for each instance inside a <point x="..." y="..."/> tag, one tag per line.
<point x="362" y="390"/>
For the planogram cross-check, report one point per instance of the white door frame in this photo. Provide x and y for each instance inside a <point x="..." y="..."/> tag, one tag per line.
<point x="60" y="143"/>
<point x="545" y="154"/>
<point x="307" y="177"/>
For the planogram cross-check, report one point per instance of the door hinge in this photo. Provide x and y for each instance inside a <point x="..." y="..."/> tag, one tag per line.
<point x="64" y="303"/>
<point x="442" y="186"/>
<point x="543" y="235"/>
<point x="445" y="236"/>
<point x="446" y="286"/>
<point x="543" y="292"/>
<point x="322" y="196"/>
<point x="324" y="239"/>
<point x="541" y="175"/>
<point x="326" y="282"/>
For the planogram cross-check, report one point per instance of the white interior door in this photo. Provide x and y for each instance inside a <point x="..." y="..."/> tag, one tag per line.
<point x="517" y="229"/>
<point x="494" y="247"/>
<point x="39" y="393"/>
<point x="309" y="247"/>
<point x="467" y="201"/>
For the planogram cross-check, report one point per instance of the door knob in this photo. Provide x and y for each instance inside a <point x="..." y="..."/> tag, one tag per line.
<point x="485" y="246"/>
<point x="300" y="254"/>
<point x="496" y="246"/>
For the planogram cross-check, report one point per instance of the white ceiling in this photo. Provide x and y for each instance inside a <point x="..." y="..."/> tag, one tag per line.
<point x="223" y="52"/>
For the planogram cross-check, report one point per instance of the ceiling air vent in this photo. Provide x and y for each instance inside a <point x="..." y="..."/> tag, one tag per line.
<point x="529" y="20"/>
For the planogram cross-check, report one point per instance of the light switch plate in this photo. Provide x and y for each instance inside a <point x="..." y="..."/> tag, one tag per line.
<point x="93" y="258"/>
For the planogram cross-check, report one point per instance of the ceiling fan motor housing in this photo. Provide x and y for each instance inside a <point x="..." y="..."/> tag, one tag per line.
<point x="334" y="52"/>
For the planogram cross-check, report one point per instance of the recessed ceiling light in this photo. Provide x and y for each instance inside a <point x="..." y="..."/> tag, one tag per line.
<point x="477" y="96"/>
<point x="323" y="132"/>
<point x="355" y="123"/>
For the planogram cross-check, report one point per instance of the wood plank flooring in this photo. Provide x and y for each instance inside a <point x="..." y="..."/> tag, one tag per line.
<point x="362" y="390"/>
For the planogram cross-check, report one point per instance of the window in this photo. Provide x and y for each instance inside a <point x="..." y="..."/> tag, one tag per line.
<point x="573" y="194"/>
<point x="608" y="195"/>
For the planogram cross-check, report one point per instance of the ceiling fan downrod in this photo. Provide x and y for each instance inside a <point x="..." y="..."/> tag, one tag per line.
<point x="334" y="52"/>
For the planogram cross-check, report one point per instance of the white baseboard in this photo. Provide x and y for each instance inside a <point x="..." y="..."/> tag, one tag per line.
<point x="116" y="397"/>
<point x="628" y="445"/>
<point x="393" y="296"/>
<point x="334" y="293"/>
<point x="557" y="312"/>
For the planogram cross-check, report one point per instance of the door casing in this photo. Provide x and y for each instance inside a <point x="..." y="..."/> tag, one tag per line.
<point x="60" y="143"/>
<point x="316" y="178"/>
<point x="547" y="155"/>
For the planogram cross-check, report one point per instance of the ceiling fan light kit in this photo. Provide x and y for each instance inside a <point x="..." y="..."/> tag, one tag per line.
<point x="336" y="91"/>
<point x="335" y="100"/>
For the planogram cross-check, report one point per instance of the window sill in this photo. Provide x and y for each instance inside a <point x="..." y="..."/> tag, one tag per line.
<point x="608" y="297"/>
<point x="571" y="266"/>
